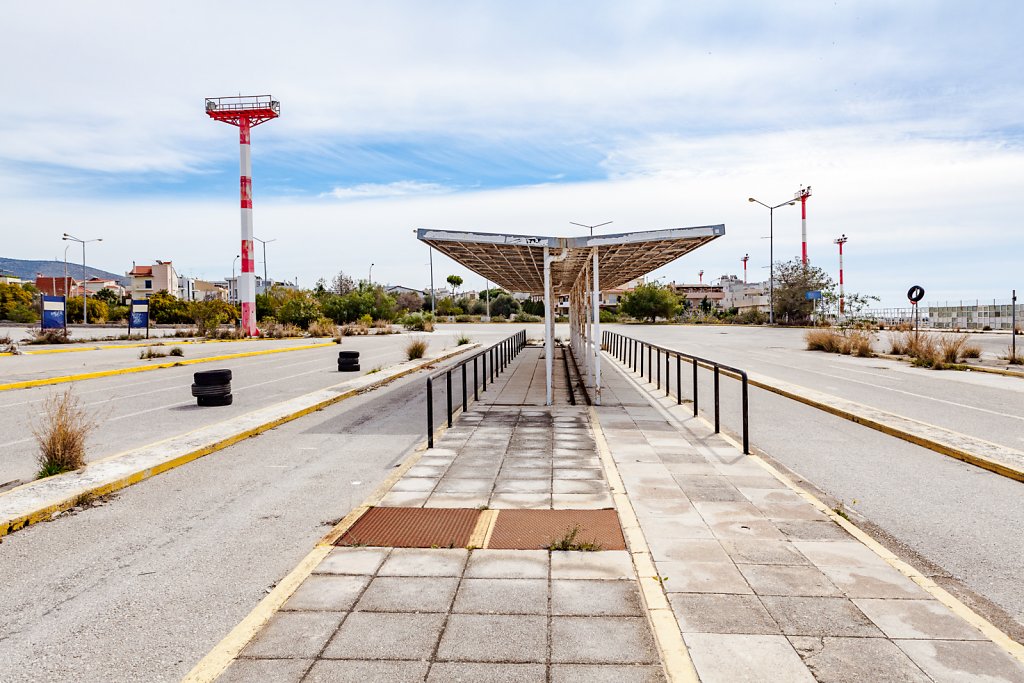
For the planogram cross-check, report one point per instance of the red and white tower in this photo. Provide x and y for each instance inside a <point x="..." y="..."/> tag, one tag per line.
<point x="245" y="112"/>
<point x="701" y="276"/>
<point x="746" y="257"/>
<point x="842" y="300"/>
<point x="802" y="194"/>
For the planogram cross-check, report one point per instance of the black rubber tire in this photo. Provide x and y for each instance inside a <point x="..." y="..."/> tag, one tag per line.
<point x="348" y="361"/>
<point x="209" y="401"/>
<point x="348" y="368"/>
<point x="211" y="390"/>
<point x="208" y="378"/>
<point x="354" y="355"/>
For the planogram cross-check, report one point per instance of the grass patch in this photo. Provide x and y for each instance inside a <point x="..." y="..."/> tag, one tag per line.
<point x="148" y="353"/>
<point x="61" y="429"/>
<point x="848" y="342"/>
<point x="384" y="327"/>
<point x="570" y="541"/>
<point x="375" y="370"/>
<point x="48" y="337"/>
<point x="176" y="351"/>
<point x="1011" y="358"/>
<point x="322" y="327"/>
<point x="415" y="349"/>
<point x="462" y="340"/>
<point x="354" y="330"/>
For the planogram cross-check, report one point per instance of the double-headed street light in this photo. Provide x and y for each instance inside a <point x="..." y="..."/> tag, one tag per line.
<point x="264" y="243"/>
<point x="85" y="307"/>
<point x="771" y="254"/>
<point x="591" y="227"/>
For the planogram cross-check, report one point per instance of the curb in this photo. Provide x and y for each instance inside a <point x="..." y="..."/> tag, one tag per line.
<point x="156" y="366"/>
<point x="965" y="368"/>
<point x="37" y="501"/>
<point x="167" y="342"/>
<point x="990" y="630"/>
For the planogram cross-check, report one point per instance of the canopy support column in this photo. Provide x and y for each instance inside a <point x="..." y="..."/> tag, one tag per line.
<point x="597" y="329"/>
<point x="549" y="337"/>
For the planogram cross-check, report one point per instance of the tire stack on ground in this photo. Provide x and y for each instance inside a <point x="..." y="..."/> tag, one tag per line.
<point x="348" y="361"/>
<point x="212" y="388"/>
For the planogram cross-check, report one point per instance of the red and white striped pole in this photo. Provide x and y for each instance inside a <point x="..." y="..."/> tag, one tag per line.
<point x="842" y="299"/>
<point x="802" y="195"/>
<point x="745" y="258"/>
<point x="247" y="280"/>
<point x="701" y="276"/>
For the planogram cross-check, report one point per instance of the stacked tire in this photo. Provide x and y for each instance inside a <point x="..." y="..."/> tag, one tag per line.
<point x="348" y="361"/>
<point x="212" y="388"/>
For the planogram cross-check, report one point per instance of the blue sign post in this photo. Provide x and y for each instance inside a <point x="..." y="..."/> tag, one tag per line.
<point x="138" y="316"/>
<point x="54" y="313"/>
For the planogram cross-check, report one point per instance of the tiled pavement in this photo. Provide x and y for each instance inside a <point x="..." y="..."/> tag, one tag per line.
<point x="763" y="586"/>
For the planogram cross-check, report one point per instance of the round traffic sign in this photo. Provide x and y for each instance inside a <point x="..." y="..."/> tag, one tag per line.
<point x="915" y="293"/>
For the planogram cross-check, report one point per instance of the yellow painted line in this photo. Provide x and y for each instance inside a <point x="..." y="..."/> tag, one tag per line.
<point x="675" y="658"/>
<point x="483" y="529"/>
<point x="46" y="513"/>
<point x="155" y="366"/>
<point x="156" y="341"/>
<point x="990" y="630"/>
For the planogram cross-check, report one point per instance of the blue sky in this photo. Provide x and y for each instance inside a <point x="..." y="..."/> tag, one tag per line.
<point x="522" y="117"/>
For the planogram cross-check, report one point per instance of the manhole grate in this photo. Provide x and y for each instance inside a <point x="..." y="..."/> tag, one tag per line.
<point x="532" y="529"/>
<point x="395" y="527"/>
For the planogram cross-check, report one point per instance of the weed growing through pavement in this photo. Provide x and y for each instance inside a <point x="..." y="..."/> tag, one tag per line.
<point x="415" y="349"/>
<point x="61" y="429"/>
<point x="148" y="353"/>
<point x="462" y="340"/>
<point x="177" y="351"/>
<point x="568" y="542"/>
<point x="375" y="370"/>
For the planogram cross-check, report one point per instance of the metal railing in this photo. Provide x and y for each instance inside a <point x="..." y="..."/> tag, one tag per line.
<point x="632" y="352"/>
<point x="487" y="364"/>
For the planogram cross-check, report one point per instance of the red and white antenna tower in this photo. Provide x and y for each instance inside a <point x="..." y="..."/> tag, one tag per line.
<point x="701" y="276"/>
<point x="245" y="112"/>
<point x="746" y="257"/>
<point x="802" y="194"/>
<point x="842" y="300"/>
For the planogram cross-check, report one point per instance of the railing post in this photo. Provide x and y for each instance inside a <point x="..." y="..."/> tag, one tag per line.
<point x="476" y="395"/>
<point x="483" y="373"/>
<point x="718" y="424"/>
<point x="679" y="380"/>
<point x="695" y="387"/>
<point x="430" y="413"/>
<point x="746" y="434"/>
<point x="668" y="372"/>
<point x="465" y="401"/>
<point x="650" y="363"/>
<point x="448" y="391"/>
<point x="659" y="370"/>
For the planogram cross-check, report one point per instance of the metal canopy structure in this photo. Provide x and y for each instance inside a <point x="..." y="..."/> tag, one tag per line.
<point x="577" y="266"/>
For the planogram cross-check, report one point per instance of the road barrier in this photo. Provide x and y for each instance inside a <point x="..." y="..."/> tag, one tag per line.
<point x="631" y="352"/>
<point x="499" y="356"/>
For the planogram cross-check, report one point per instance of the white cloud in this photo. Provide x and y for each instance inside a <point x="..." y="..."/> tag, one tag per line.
<point x="401" y="188"/>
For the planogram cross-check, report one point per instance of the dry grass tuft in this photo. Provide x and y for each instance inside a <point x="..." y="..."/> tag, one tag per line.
<point x="951" y="347"/>
<point x="971" y="351"/>
<point x="416" y="348"/>
<point x="322" y="327"/>
<point x="384" y="327"/>
<point x="850" y="342"/>
<point x="354" y="330"/>
<point x="1013" y="359"/>
<point x="148" y="352"/>
<point x="48" y="337"/>
<point x="60" y="430"/>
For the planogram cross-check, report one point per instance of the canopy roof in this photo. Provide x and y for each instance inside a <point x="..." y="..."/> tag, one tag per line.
<point x="516" y="262"/>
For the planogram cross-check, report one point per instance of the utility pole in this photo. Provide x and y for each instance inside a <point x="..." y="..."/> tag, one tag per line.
<point x="370" y="278"/>
<point x="802" y="194"/>
<point x="842" y="300"/>
<point x="745" y="258"/>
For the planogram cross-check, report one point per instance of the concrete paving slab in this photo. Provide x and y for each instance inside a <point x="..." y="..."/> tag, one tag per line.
<point x="721" y="658"/>
<point x="294" y="634"/>
<point x="874" y="582"/>
<point x="749" y="529"/>
<point x="523" y="486"/>
<point x="352" y="671"/>
<point x="277" y="670"/>
<point x="408" y="594"/>
<point x="857" y="659"/>
<point x="839" y="554"/>
<point x="819" y="617"/>
<point x="519" y="473"/>
<point x="595" y="598"/>
<point x="562" y="486"/>
<point x="520" y="501"/>
<point x="425" y="562"/>
<point x="508" y="564"/>
<point x="581" y="501"/>
<point x="764" y="552"/>
<point x="471" y="672"/>
<point x="415" y="485"/>
<point x="687" y="549"/>
<point x="925" y="619"/>
<point x="717" y="613"/>
<point x="457" y="500"/>
<point x="957" y="661"/>
<point x="327" y="592"/>
<point x="605" y="564"/>
<point x="353" y="561"/>
<point x="597" y="640"/>
<point x="788" y="580"/>
<point x="502" y="596"/>
<point x="494" y="638"/>
<point x="597" y="673"/>
<point x="809" y="530"/>
<point x="385" y="635"/>
<point x="404" y="499"/>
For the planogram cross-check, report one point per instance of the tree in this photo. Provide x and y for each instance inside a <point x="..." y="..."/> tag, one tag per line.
<point x="15" y="297"/>
<point x="409" y="301"/>
<point x="299" y="310"/>
<point x="342" y="284"/>
<point x="447" y="306"/>
<point x="793" y="279"/>
<point x="706" y="305"/>
<point x="108" y="296"/>
<point x="455" y="281"/>
<point x="504" y="305"/>
<point x="650" y="300"/>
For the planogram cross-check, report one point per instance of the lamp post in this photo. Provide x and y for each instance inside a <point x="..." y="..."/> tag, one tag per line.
<point x="591" y="227"/>
<point x="66" y="286"/>
<point x="234" y="282"/>
<point x="771" y="254"/>
<point x="264" y="243"/>
<point x="370" y="278"/>
<point x="85" y="307"/>
<point x="842" y="300"/>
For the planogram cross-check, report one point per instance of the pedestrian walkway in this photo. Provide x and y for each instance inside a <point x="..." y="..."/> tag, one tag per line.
<point x="729" y="574"/>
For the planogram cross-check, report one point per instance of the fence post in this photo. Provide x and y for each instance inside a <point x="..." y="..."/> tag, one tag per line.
<point x="746" y="434"/>
<point x="659" y="369"/>
<point x="476" y="395"/>
<point x="650" y="363"/>
<point x="695" y="387"/>
<point x="483" y="374"/>
<point x="668" y="372"/>
<point x="679" y="380"/>
<point x="448" y="391"/>
<point x="430" y="413"/>
<point x="717" y="422"/>
<point x="465" y="402"/>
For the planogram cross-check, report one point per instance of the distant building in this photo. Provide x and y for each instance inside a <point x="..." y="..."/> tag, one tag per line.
<point x="744" y="296"/>
<point x="396" y="290"/>
<point x="695" y="294"/>
<point x="95" y="284"/>
<point x="9" y="279"/>
<point x="158" y="277"/>
<point x="194" y="289"/>
<point x="58" y="286"/>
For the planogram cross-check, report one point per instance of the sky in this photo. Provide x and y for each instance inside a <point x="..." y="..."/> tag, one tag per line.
<point x="904" y="118"/>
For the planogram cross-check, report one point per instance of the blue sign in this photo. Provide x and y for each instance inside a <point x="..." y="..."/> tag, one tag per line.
<point x="138" y="317"/>
<point x="54" y="313"/>
<point x="815" y="294"/>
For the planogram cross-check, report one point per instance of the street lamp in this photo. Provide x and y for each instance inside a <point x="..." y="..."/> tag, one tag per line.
<point x="264" y="243"/>
<point x="591" y="227"/>
<point x="234" y="281"/>
<point x="66" y="286"/>
<point x="771" y="254"/>
<point x="371" y="274"/>
<point x="85" y="307"/>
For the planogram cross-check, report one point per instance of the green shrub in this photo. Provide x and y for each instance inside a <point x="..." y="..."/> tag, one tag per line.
<point x="20" y="313"/>
<point x="527" y="318"/>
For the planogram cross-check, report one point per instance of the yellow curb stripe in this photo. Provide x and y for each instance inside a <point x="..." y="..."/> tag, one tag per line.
<point x="492" y="522"/>
<point x="990" y="630"/>
<point x="483" y="529"/>
<point x="675" y="658"/>
<point x="157" y="341"/>
<point x="45" y="513"/>
<point x="156" y="366"/>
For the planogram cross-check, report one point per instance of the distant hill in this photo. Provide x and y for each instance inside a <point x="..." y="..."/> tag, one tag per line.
<point x="27" y="270"/>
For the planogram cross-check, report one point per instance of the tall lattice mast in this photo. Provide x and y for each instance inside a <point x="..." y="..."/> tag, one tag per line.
<point x="245" y="112"/>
